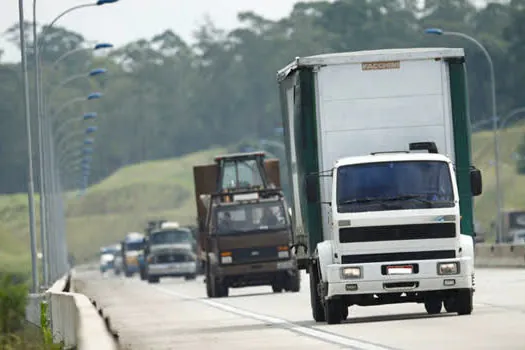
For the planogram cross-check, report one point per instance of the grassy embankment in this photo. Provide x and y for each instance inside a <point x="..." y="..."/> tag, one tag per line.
<point x="164" y="189"/>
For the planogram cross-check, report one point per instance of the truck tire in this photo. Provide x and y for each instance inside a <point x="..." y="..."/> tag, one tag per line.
<point x="293" y="282"/>
<point x="433" y="306"/>
<point x="315" y="299"/>
<point x="219" y="290"/>
<point x="129" y="274"/>
<point x="209" y="287"/>
<point x="450" y="305"/>
<point x="190" y="277"/>
<point x="153" y="279"/>
<point x="276" y="287"/>
<point x="464" y="303"/>
<point x="333" y="310"/>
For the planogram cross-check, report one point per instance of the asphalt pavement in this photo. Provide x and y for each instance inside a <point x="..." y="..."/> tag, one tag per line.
<point x="176" y="314"/>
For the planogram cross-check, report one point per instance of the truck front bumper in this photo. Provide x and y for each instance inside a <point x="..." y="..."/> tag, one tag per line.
<point x="173" y="269"/>
<point x="256" y="274"/>
<point x="375" y="280"/>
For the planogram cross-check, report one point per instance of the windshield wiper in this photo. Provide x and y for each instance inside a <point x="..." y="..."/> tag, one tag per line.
<point x="384" y="200"/>
<point x="365" y="200"/>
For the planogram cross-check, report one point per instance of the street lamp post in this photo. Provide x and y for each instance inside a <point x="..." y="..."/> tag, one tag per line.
<point x="90" y="74"/>
<point x="44" y="216"/>
<point x="81" y="49"/>
<point x="30" y="184"/>
<point x="499" y="199"/>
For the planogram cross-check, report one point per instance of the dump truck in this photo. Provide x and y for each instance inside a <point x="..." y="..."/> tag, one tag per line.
<point x="169" y="252"/>
<point x="244" y="228"/>
<point x="378" y="144"/>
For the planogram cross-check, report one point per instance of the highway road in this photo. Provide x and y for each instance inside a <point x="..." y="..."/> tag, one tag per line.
<point x="175" y="314"/>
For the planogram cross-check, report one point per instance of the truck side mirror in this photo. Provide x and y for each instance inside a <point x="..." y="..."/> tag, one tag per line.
<point x="476" y="183"/>
<point x="312" y="195"/>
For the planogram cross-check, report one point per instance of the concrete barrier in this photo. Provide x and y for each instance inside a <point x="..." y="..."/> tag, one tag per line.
<point x="500" y="255"/>
<point x="74" y="319"/>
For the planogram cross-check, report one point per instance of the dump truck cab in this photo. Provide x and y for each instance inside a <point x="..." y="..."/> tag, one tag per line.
<point x="244" y="226"/>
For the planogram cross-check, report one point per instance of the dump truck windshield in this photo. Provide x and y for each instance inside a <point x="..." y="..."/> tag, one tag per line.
<point x="171" y="237"/>
<point x="394" y="186"/>
<point x="250" y="217"/>
<point x="241" y="174"/>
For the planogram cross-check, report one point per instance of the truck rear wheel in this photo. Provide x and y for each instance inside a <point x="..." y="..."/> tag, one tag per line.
<point x="315" y="299"/>
<point x="190" y="277"/>
<point x="464" y="302"/>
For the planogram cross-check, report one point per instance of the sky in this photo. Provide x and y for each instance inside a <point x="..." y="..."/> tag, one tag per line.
<point x="128" y="20"/>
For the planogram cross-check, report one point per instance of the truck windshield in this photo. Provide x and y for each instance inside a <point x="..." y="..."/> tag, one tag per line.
<point x="134" y="246"/>
<point x="241" y="174"/>
<point x="171" y="237"/>
<point x="394" y="186"/>
<point x="250" y="218"/>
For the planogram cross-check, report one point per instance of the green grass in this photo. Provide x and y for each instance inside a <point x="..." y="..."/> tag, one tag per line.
<point x="512" y="184"/>
<point x="164" y="189"/>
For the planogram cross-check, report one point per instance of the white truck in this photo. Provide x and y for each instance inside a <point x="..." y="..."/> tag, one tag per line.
<point x="378" y="143"/>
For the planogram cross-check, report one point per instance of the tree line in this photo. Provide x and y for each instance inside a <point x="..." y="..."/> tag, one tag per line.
<point x="164" y="97"/>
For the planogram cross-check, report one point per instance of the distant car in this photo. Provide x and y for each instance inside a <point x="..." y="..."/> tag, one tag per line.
<point x="519" y="237"/>
<point x="107" y="257"/>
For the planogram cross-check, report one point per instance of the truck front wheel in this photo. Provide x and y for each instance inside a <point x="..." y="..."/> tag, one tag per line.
<point x="333" y="310"/>
<point x="315" y="299"/>
<point x="433" y="306"/>
<point x="153" y="279"/>
<point x="293" y="282"/>
<point x="209" y="287"/>
<point x="464" y="304"/>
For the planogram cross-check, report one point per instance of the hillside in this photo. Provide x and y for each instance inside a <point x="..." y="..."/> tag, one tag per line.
<point x="122" y="202"/>
<point x="513" y="185"/>
<point x="164" y="189"/>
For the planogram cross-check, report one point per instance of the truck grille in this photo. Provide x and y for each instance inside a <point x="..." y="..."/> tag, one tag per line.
<point x="258" y="254"/>
<point x="406" y="256"/>
<point x="397" y="233"/>
<point x="170" y="258"/>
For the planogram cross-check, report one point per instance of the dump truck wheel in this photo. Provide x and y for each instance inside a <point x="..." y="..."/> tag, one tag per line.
<point x="315" y="300"/>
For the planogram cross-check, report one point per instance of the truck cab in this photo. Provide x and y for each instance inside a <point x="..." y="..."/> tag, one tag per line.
<point x="169" y="252"/>
<point x="131" y="248"/>
<point x="245" y="231"/>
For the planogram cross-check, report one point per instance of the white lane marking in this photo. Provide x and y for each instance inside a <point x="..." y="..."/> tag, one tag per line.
<point x="311" y="332"/>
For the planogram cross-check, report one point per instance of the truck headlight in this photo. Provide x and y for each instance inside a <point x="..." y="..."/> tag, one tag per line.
<point x="350" y="272"/>
<point x="448" y="268"/>
<point x="226" y="259"/>
<point x="283" y="254"/>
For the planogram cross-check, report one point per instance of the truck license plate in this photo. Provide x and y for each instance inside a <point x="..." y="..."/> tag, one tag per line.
<point x="399" y="270"/>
